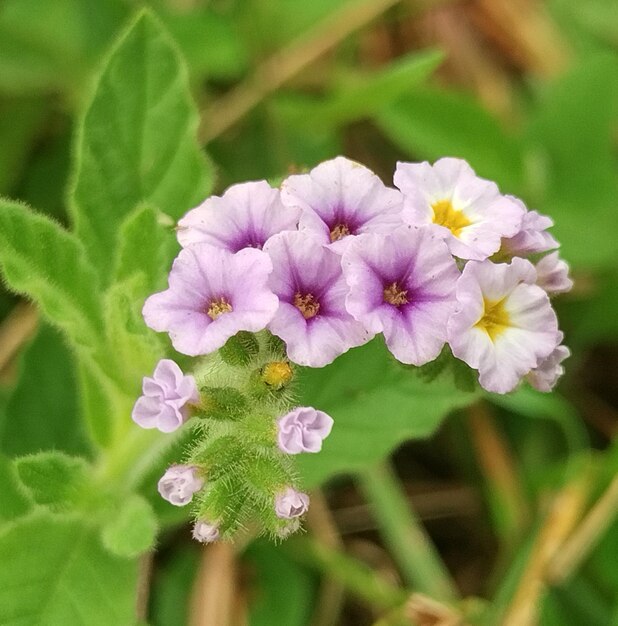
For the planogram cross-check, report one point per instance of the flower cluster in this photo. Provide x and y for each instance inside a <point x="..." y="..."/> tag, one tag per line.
<point x="325" y="263"/>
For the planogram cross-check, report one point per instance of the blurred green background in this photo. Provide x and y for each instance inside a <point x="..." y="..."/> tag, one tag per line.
<point x="527" y="92"/>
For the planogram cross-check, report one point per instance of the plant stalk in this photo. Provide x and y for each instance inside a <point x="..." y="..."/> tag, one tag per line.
<point x="404" y="534"/>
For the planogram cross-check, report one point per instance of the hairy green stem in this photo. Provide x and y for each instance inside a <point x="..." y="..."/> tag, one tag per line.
<point x="404" y="534"/>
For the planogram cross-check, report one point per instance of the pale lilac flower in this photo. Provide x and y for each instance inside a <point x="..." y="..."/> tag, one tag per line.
<point x="311" y="319"/>
<point x="403" y="285"/>
<point x="179" y="483"/>
<point x="166" y="399"/>
<point x="532" y="237"/>
<point x="244" y="217"/>
<point x="504" y="325"/>
<point x="205" y="532"/>
<point x="303" y="430"/>
<point x="340" y="198"/>
<point x="545" y="376"/>
<point x="469" y="212"/>
<point x="291" y="503"/>
<point x="553" y="274"/>
<point x="212" y="295"/>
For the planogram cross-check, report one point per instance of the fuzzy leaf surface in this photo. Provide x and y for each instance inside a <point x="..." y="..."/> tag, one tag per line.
<point x="137" y="140"/>
<point x="60" y="574"/>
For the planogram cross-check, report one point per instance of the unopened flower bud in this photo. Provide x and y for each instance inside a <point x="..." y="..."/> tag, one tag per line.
<point x="291" y="503"/>
<point x="277" y="374"/>
<point x="179" y="483"/>
<point x="205" y="532"/>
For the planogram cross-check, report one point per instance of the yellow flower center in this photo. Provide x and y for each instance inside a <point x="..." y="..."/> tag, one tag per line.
<point x="218" y="307"/>
<point x="339" y="232"/>
<point x="495" y="319"/>
<point x="445" y="214"/>
<point x="277" y="374"/>
<point x="307" y="305"/>
<point x="395" y="295"/>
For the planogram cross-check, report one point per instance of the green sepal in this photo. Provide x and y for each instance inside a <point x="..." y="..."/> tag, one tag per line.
<point x="54" y="479"/>
<point x="268" y="474"/>
<point x="240" y="349"/>
<point x="220" y="457"/>
<point x="225" y="503"/>
<point x="222" y="403"/>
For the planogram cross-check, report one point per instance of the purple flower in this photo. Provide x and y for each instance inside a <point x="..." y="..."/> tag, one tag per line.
<point x="291" y="503"/>
<point x="532" y="237"/>
<point x="545" y="376"/>
<point x="212" y="295"/>
<point x="302" y="430"/>
<point x="244" y="217"/>
<point x="504" y="325"/>
<point x="166" y="399"/>
<point x="179" y="483"/>
<point x="311" y="318"/>
<point x="553" y="274"/>
<point x="469" y="211"/>
<point x="205" y="532"/>
<point x="403" y="285"/>
<point x="339" y="198"/>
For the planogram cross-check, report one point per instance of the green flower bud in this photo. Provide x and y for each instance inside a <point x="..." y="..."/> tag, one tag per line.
<point x="240" y="349"/>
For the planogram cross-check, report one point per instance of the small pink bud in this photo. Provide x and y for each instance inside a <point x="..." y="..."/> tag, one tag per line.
<point x="291" y="503"/>
<point x="205" y="532"/>
<point x="179" y="483"/>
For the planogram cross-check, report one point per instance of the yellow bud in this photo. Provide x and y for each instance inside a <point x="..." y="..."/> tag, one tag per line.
<point x="277" y="374"/>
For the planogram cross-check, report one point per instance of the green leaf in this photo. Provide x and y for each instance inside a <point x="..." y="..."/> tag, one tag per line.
<point x="53" y="479"/>
<point x="105" y="406"/>
<point x="430" y="123"/>
<point x="137" y="140"/>
<point x="60" y="574"/>
<point x="146" y="246"/>
<point x="46" y="263"/>
<point x="135" y="347"/>
<point x="376" y="404"/>
<point x="132" y="529"/>
<point x="13" y="502"/>
<point x="42" y="412"/>
<point x="571" y="134"/>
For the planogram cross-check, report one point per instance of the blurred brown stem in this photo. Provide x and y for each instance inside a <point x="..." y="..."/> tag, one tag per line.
<point x="564" y="513"/>
<point x="291" y="60"/>
<point x="585" y="537"/>
<point x="508" y="505"/>
<point x="19" y="326"/>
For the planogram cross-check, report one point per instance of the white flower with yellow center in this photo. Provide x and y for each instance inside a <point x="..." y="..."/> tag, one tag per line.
<point x="503" y="325"/>
<point x="469" y="211"/>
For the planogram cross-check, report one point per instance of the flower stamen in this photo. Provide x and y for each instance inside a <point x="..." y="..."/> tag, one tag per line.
<point x="339" y="232"/>
<point x="395" y="295"/>
<point x="307" y="305"/>
<point x="445" y="214"/>
<point x="218" y="308"/>
<point x="495" y="319"/>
